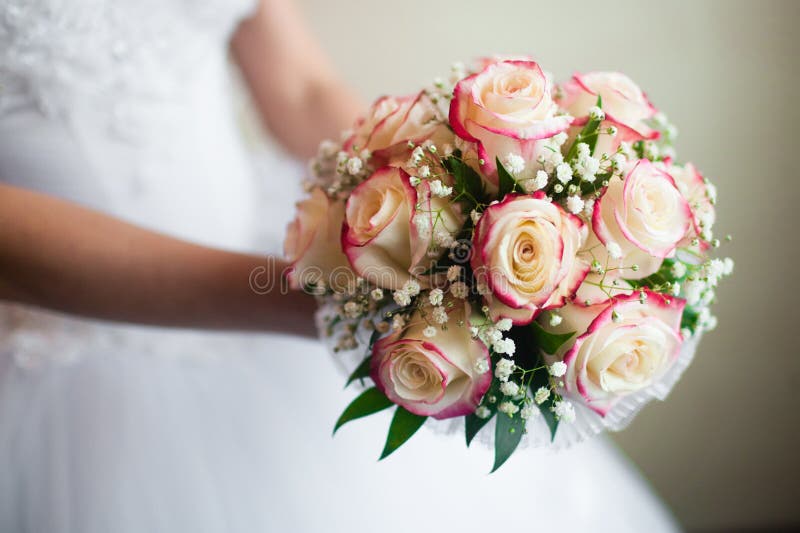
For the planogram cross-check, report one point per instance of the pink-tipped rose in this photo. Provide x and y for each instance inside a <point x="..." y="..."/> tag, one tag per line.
<point x="622" y="346"/>
<point x="639" y="220"/>
<point x="436" y="376"/>
<point x="389" y="228"/>
<point x="507" y="108"/>
<point x="312" y="244"/>
<point x="607" y="143"/>
<point x="525" y="250"/>
<point x="392" y="122"/>
<point x="622" y="100"/>
<point x="701" y="196"/>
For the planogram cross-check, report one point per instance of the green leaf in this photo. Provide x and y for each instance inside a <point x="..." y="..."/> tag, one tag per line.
<point x="549" y="342"/>
<point x="467" y="183"/>
<point x="591" y="134"/>
<point x="541" y="378"/>
<point x="473" y="424"/>
<point x="690" y="318"/>
<point x="507" y="183"/>
<point x="361" y="372"/>
<point x="374" y="338"/>
<point x="546" y="408"/>
<point x="638" y="147"/>
<point x="370" y="401"/>
<point x="404" y="424"/>
<point x="588" y="135"/>
<point x="507" y="434"/>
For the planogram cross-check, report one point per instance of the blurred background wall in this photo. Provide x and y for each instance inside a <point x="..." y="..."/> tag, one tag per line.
<point x="724" y="451"/>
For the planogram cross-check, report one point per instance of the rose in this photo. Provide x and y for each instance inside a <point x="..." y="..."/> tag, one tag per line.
<point x="622" y="100"/>
<point x="701" y="196"/>
<point x="622" y="346"/>
<point x="392" y="122"/>
<point x="644" y="215"/>
<point x="312" y="244"/>
<point x="525" y="250"/>
<point x="485" y="61"/>
<point x="389" y="227"/>
<point x="437" y="376"/>
<point x="506" y="108"/>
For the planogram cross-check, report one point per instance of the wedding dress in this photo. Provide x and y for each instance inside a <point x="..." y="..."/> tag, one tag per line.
<point x="124" y="106"/>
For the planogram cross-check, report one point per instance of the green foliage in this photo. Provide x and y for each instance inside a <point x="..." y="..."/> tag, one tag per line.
<point x="507" y="183"/>
<point x="361" y="372"/>
<point x="467" y="184"/>
<point x="638" y="147"/>
<point x="535" y="339"/>
<point x="541" y="378"/>
<point x="690" y="318"/>
<point x="507" y="435"/>
<point x="549" y="342"/>
<point x="658" y="279"/>
<point x="587" y="135"/>
<point x="473" y="424"/>
<point x="404" y="425"/>
<point x="374" y="338"/>
<point x="370" y="401"/>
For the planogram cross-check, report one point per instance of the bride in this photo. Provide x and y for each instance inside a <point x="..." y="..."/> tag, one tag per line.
<point x="128" y="203"/>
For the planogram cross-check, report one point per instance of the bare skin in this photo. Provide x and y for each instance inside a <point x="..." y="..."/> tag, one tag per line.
<point x="299" y="96"/>
<point x="60" y="256"/>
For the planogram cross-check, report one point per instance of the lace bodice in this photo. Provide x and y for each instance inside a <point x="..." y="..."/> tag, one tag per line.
<point x="131" y="101"/>
<point x="120" y="53"/>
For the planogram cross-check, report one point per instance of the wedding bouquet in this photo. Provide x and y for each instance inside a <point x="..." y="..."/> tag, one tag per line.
<point x="500" y="248"/>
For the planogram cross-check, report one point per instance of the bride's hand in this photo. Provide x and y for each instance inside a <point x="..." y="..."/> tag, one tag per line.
<point x="58" y="255"/>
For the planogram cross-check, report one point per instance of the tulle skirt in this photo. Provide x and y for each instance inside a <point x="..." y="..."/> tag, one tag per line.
<point x="112" y="429"/>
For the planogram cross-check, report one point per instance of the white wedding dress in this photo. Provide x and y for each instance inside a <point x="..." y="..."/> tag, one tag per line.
<point x="124" y="106"/>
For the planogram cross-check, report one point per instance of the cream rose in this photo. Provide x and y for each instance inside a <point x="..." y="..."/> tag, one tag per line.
<point x="701" y="196"/>
<point x="622" y="346"/>
<point x="390" y="225"/>
<point x="435" y="376"/>
<point x="312" y="244"/>
<point x="525" y="249"/>
<point x="392" y="122"/>
<point x="623" y="101"/>
<point x="506" y="108"/>
<point x="644" y="215"/>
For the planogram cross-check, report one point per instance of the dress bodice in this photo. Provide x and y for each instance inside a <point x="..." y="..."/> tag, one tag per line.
<point x="126" y="106"/>
<point x="122" y="52"/>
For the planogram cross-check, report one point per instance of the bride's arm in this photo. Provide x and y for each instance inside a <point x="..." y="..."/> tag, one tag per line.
<point x="57" y="255"/>
<point x="299" y="96"/>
